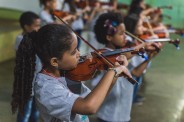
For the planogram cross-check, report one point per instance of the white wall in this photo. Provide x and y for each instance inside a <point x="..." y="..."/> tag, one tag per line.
<point x="23" y="5"/>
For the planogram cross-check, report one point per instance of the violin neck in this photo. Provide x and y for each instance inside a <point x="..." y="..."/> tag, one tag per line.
<point x="117" y="51"/>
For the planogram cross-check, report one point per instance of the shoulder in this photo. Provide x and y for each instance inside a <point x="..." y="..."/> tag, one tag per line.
<point x="48" y="83"/>
<point x="53" y="91"/>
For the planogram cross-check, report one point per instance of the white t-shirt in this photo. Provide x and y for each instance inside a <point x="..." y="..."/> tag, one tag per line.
<point x="77" y="24"/>
<point x="46" y="18"/>
<point x="55" y="100"/>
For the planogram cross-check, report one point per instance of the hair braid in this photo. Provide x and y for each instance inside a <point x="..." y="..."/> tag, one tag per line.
<point x="24" y="73"/>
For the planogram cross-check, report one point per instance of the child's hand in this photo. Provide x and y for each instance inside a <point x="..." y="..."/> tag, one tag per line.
<point x="151" y="46"/>
<point x="121" y="69"/>
<point x="122" y="60"/>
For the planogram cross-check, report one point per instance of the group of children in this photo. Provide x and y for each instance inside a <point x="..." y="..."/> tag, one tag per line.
<point x="44" y="55"/>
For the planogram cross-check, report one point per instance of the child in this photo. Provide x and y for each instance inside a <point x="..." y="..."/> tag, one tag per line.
<point x="48" y="7"/>
<point x="78" y="23"/>
<point x="134" y="25"/>
<point x="29" y="21"/>
<point x="46" y="14"/>
<point x="56" y="46"/>
<point x="110" y="31"/>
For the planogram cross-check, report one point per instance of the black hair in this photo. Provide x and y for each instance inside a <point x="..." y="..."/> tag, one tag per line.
<point x="50" y="41"/>
<point x="43" y="2"/>
<point x="27" y="18"/>
<point x="71" y="4"/>
<point x="130" y="22"/>
<point x="100" y="28"/>
<point x="135" y="7"/>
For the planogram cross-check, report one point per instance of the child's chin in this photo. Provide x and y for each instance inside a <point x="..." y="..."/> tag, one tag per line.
<point x="73" y="67"/>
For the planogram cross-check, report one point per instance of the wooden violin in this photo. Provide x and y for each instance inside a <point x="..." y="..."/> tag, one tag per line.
<point x="87" y="67"/>
<point x="162" y="38"/>
<point x="147" y="35"/>
<point x="60" y="13"/>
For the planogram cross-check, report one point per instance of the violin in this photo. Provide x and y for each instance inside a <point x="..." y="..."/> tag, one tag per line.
<point x="145" y="40"/>
<point x="92" y="3"/>
<point x="60" y="13"/>
<point x="87" y="68"/>
<point x="82" y="4"/>
<point x="176" y="31"/>
<point x="162" y="38"/>
<point x="88" y="65"/>
<point x="147" y="35"/>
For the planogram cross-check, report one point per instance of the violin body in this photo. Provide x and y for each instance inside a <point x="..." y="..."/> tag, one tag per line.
<point x="87" y="68"/>
<point x="60" y="13"/>
<point x="148" y="35"/>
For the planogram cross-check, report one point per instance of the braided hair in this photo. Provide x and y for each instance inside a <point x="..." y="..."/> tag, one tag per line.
<point x="105" y="25"/>
<point x="50" y="41"/>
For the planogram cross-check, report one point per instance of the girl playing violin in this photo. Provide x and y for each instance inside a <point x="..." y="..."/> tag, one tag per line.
<point x="78" y="23"/>
<point x="110" y="31"/>
<point x="134" y="25"/>
<point x="56" y="46"/>
<point x="46" y="14"/>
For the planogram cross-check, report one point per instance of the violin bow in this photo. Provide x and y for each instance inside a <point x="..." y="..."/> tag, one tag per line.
<point x="135" y="37"/>
<point x="131" y="80"/>
<point x="149" y="25"/>
<point x="140" y="40"/>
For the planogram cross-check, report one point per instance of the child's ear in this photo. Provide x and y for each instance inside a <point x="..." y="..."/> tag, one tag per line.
<point x="109" y="38"/>
<point x="54" y="62"/>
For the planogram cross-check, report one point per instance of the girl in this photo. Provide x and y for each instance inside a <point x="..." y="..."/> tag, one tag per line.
<point x="110" y="31"/>
<point x="78" y="23"/>
<point x="134" y="25"/>
<point x="56" y="46"/>
<point x="48" y="7"/>
<point x="46" y="14"/>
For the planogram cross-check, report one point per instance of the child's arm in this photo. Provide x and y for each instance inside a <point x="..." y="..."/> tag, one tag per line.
<point x="91" y="103"/>
<point x="140" y="69"/>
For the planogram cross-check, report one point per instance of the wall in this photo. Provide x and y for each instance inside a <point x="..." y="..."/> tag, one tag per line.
<point x="22" y="5"/>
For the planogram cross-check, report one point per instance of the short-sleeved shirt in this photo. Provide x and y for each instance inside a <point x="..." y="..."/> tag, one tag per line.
<point x="55" y="100"/>
<point x="46" y="18"/>
<point x="117" y="105"/>
<point x="78" y="23"/>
